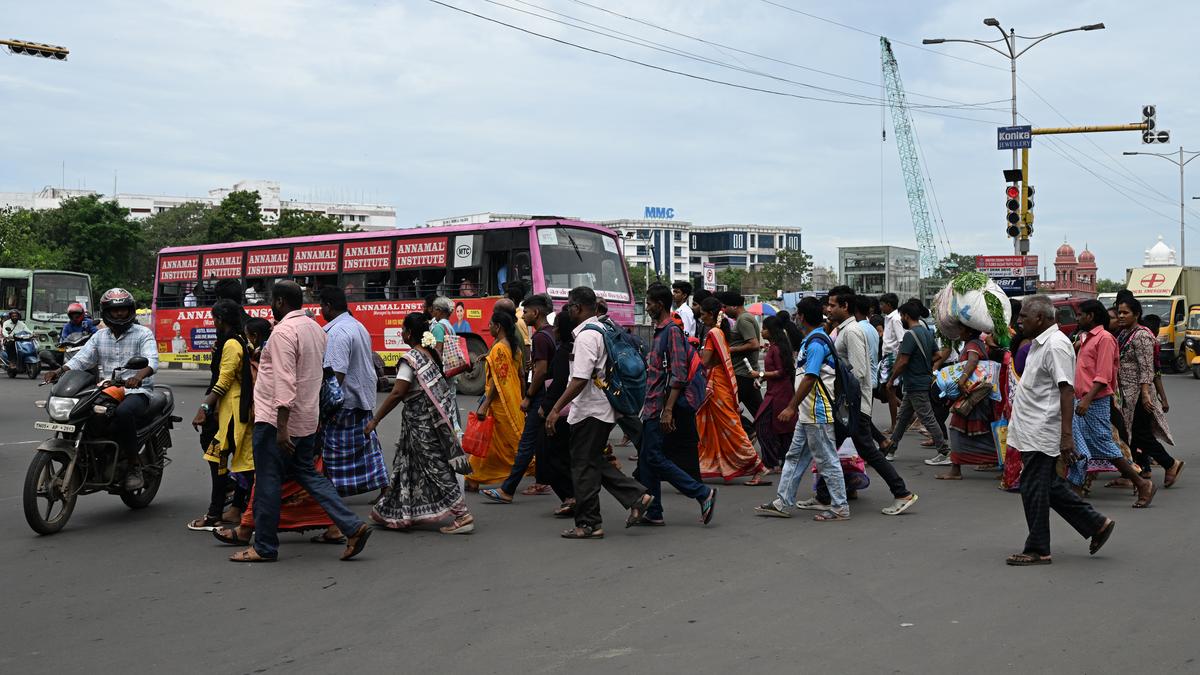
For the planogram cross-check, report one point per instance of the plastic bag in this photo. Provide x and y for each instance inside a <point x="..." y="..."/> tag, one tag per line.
<point x="477" y="440"/>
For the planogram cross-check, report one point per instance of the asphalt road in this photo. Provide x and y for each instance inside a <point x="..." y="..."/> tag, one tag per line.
<point x="924" y="592"/>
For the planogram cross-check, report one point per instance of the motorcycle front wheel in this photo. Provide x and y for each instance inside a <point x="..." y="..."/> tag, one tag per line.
<point x="33" y="369"/>
<point x="48" y="503"/>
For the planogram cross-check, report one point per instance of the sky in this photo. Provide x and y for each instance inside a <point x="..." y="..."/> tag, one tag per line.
<point x="439" y="113"/>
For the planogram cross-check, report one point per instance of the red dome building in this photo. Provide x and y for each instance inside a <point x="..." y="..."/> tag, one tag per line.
<point x="1075" y="277"/>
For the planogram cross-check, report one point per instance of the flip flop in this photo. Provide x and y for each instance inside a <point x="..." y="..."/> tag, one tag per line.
<point x="585" y="532"/>
<point x="1173" y="476"/>
<point x="536" y="490"/>
<point x="1101" y="538"/>
<point x="245" y="557"/>
<point x="230" y="539"/>
<point x="829" y="515"/>
<point x="493" y="495"/>
<point x="324" y="539"/>
<point x="1145" y="503"/>
<point x="360" y="542"/>
<point x="757" y="481"/>
<point x="1027" y="559"/>
<point x="707" y="506"/>
<point x="565" y="511"/>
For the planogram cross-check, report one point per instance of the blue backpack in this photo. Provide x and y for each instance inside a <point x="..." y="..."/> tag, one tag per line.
<point x="847" y="391"/>
<point x="625" y="371"/>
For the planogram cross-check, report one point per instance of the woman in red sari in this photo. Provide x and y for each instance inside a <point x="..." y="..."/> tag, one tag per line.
<point x="725" y="449"/>
<point x="779" y="372"/>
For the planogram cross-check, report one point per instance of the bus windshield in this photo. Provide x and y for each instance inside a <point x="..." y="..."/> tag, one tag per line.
<point x="577" y="257"/>
<point x="53" y="292"/>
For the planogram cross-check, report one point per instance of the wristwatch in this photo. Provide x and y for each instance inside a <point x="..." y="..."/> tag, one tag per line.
<point x="206" y="408"/>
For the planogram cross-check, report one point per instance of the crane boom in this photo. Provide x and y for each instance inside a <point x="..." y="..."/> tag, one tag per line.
<point x="910" y="163"/>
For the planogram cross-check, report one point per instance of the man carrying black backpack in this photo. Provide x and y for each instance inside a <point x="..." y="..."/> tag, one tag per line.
<point x="592" y="418"/>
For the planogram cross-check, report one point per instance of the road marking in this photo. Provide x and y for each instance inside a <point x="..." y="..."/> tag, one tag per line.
<point x="20" y="443"/>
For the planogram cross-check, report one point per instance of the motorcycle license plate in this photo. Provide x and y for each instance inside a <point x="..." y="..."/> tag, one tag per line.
<point x="54" y="426"/>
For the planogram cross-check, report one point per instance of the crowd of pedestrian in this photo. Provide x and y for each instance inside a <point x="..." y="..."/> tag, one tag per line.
<point x="289" y="425"/>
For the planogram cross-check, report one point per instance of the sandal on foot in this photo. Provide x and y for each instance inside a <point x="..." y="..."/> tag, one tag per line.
<point x="1173" y="474"/>
<point x="1119" y="483"/>
<point x="1144" y="503"/>
<point x="536" y="490"/>
<point x="229" y="536"/>
<point x="361" y="535"/>
<point x="1101" y="537"/>
<point x="324" y="538"/>
<point x="1027" y="559"/>
<point x="707" y="506"/>
<point x="647" y="521"/>
<point x="464" y="525"/>
<point x="204" y="524"/>
<point x="494" y="495"/>
<point x="584" y="532"/>
<point x="830" y="515"/>
<point x="250" y="556"/>
<point x="565" y="510"/>
<point x="757" y="481"/>
<point x="639" y="509"/>
<point x="948" y="476"/>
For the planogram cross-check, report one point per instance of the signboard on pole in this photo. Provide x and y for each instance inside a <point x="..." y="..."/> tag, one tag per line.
<point x="1014" y="138"/>
<point x="1007" y="265"/>
<point x="710" y="276"/>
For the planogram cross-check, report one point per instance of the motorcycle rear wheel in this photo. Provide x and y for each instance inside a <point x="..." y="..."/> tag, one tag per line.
<point x="44" y="490"/>
<point x="140" y="499"/>
<point x="33" y="369"/>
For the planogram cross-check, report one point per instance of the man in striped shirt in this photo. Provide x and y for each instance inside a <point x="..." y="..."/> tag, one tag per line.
<point x="814" y="439"/>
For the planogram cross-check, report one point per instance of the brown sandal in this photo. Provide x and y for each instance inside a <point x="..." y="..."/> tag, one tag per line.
<point x="1144" y="502"/>
<point x="250" y="555"/>
<point x="1173" y="473"/>
<point x="1026" y="559"/>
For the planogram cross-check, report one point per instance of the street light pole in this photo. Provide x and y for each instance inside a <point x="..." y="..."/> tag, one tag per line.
<point x="1010" y="52"/>
<point x="1180" y="162"/>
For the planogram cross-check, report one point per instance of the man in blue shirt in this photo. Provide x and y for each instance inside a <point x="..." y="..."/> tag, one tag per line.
<point x="813" y="440"/>
<point x="77" y="322"/>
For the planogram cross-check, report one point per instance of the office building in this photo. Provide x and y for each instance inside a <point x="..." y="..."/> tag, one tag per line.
<point x="874" y="270"/>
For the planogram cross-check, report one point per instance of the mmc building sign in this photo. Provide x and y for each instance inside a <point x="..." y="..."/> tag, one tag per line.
<point x="659" y="213"/>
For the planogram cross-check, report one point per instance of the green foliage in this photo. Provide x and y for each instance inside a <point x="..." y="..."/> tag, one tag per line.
<point x="1109" y="286"/>
<point x="641" y="276"/>
<point x="731" y="277"/>
<point x="969" y="281"/>
<point x="21" y="247"/>
<point x="184" y="225"/>
<point x="294" y="223"/>
<point x="95" y="236"/>
<point x="954" y="264"/>
<point x="791" y="271"/>
<point x="238" y="218"/>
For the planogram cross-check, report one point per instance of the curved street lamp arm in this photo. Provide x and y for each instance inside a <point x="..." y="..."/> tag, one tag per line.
<point x="1041" y="38"/>
<point x="981" y="43"/>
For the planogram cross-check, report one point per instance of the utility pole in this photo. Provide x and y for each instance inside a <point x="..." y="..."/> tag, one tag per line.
<point x="1181" y="162"/>
<point x="1011" y="53"/>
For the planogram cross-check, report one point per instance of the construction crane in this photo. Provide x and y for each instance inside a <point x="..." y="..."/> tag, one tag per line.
<point x="914" y="182"/>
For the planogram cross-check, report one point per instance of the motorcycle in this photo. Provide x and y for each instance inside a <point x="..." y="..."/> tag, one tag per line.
<point x="64" y="350"/>
<point x="82" y="458"/>
<point x="26" y="360"/>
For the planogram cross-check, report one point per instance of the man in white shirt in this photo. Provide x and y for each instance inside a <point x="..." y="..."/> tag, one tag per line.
<point x="893" y="333"/>
<point x="853" y="348"/>
<point x="681" y="304"/>
<point x="1040" y="429"/>
<point x="592" y="419"/>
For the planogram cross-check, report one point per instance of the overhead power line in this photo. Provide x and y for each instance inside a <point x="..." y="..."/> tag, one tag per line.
<point x="693" y="76"/>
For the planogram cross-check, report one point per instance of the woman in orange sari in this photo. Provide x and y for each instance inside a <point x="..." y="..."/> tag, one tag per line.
<point x="725" y="449"/>
<point x="502" y="400"/>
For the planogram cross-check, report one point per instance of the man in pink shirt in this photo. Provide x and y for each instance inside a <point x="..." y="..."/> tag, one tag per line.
<point x="286" y="408"/>
<point x="1095" y="381"/>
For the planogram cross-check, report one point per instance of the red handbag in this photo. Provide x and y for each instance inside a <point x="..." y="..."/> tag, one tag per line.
<point x="456" y="358"/>
<point x="477" y="439"/>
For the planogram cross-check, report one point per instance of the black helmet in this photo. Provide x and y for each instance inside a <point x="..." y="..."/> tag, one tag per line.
<point x="117" y="298"/>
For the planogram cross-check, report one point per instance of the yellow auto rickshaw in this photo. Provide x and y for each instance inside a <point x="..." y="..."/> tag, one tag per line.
<point x="1192" y="341"/>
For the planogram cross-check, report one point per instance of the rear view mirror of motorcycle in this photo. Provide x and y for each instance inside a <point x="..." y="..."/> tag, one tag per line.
<point x="137" y="363"/>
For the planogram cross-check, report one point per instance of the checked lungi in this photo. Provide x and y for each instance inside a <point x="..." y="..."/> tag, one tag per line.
<point x="1093" y="441"/>
<point x="353" y="460"/>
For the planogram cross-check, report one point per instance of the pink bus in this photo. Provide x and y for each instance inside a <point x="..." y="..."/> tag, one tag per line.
<point x="388" y="273"/>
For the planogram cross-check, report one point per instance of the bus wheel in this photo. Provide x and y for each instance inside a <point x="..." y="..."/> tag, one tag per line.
<point x="471" y="383"/>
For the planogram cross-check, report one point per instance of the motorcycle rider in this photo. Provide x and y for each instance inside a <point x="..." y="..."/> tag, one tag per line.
<point x="77" y="322"/>
<point x="13" y="325"/>
<point x="121" y="339"/>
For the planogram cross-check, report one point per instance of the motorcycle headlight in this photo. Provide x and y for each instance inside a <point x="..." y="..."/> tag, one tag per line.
<point x="60" y="407"/>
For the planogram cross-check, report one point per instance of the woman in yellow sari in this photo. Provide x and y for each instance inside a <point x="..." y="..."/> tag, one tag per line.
<point x="502" y="400"/>
<point x="725" y="449"/>
<point x="229" y="401"/>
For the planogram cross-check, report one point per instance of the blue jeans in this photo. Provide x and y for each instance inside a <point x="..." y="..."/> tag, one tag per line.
<point x="272" y="466"/>
<point x="654" y="467"/>
<point x="812" y="442"/>
<point x="533" y="436"/>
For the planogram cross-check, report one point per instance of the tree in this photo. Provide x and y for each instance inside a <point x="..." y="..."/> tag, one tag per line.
<point x="641" y="276"/>
<point x="97" y="237"/>
<point x="293" y="223"/>
<point x="19" y="247"/>
<point x="790" y="272"/>
<point x="953" y="265"/>
<point x="238" y="218"/>
<point x="184" y="225"/>
<point x="731" y="277"/>
<point x="1109" y="286"/>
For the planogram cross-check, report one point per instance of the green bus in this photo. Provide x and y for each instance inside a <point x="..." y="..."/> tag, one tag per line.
<point x="42" y="297"/>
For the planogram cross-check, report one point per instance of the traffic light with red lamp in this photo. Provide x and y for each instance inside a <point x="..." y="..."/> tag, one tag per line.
<point x="1013" y="203"/>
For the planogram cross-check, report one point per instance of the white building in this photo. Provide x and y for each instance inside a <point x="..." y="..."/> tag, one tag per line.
<point x="678" y="249"/>
<point x="488" y="217"/>
<point x="365" y="216"/>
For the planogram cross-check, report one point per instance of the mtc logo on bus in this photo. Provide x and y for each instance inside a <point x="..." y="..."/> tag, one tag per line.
<point x="659" y="213"/>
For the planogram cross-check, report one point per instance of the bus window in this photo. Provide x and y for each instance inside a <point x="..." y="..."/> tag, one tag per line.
<point x="366" y="286"/>
<point x="522" y="266"/>
<point x="312" y="285"/>
<point x="263" y="267"/>
<point x="13" y="292"/>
